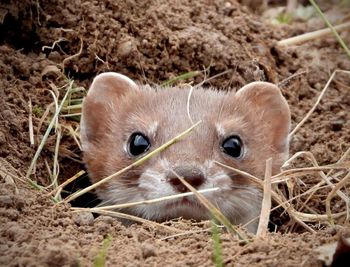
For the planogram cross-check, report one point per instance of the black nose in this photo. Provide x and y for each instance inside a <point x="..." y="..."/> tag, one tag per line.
<point x="192" y="175"/>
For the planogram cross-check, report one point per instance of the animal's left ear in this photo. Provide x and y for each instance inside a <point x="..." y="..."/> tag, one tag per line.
<point x="270" y="110"/>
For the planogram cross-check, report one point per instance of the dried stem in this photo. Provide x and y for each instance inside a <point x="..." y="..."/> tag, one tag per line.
<point x="335" y="190"/>
<point x="213" y="210"/>
<point x="30" y="122"/>
<point x="266" y="203"/>
<point x="68" y="181"/>
<point x="312" y="35"/>
<point x="307" y="116"/>
<point x="136" y="163"/>
<point x="46" y="135"/>
<point x="151" y="201"/>
<point x="129" y="217"/>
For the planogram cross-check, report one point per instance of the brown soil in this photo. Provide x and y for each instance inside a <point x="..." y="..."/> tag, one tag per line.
<point x="152" y="41"/>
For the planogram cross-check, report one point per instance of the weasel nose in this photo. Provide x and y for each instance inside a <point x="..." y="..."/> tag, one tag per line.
<point x="192" y="175"/>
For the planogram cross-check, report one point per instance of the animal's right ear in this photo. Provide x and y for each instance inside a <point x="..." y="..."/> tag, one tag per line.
<point x="102" y="99"/>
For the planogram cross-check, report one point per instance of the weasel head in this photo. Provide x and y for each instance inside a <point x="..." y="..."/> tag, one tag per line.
<point x="123" y="121"/>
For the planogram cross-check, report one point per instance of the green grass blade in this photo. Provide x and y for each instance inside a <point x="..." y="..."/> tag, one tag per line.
<point x="323" y="17"/>
<point x="217" y="245"/>
<point x="181" y="77"/>
<point x="100" y="259"/>
<point x="47" y="133"/>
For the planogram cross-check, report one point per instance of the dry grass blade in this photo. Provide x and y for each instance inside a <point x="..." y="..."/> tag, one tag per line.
<point x="151" y="201"/>
<point x="48" y="130"/>
<point x="188" y="104"/>
<point x="9" y="173"/>
<point x="131" y="218"/>
<point x="71" y="115"/>
<point x="248" y="175"/>
<point x="311" y="191"/>
<point x="266" y="203"/>
<point x="213" y="210"/>
<point x="186" y="233"/>
<point x="42" y="119"/>
<point x="317" y="218"/>
<point x="287" y="174"/>
<point x="277" y="197"/>
<point x="335" y="190"/>
<point x="341" y="160"/>
<point x="53" y="44"/>
<point x="280" y="199"/>
<point x="136" y="163"/>
<point x="312" y="35"/>
<point x="325" y="177"/>
<point x="68" y="181"/>
<point x="286" y="80"/>
<point x="72" y="107"/>
<point x="307" y="116"/>
<point x="74" y="133"/>
<point x="72" y="56"/>
<point x="304" y="216"/>
<point x="30" y="123"/>
<point x="212" y="77"/>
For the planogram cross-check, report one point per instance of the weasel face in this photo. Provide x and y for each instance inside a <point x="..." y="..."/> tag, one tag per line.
<point x="122" y="122"/>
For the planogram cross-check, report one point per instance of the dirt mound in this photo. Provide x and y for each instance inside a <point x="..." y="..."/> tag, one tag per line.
<point x="151" y="41"/>
<point x="155" y="43"/>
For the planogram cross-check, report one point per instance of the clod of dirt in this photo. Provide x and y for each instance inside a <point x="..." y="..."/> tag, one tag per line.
<point x="126" y="48"/>
<point x="6" y="201"/>
<point x="83" y="218"/>
<point x="148" y="250"/>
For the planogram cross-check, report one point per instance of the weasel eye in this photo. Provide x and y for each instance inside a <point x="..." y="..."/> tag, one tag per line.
<point x="138" y="144"/>
<point x="233" y="146"/>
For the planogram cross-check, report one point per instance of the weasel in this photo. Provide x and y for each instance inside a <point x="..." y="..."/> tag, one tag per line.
<point x="122" y="121"/>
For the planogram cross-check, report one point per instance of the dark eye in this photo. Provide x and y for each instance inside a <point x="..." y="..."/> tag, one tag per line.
<point x="138" y="144"/>
<point x="233" y="146"/>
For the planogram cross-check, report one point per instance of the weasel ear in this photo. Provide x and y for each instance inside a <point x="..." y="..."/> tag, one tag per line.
<point x="109" y="85"/>
<point x="265" y="102"/>
<point x="101" y="100"/>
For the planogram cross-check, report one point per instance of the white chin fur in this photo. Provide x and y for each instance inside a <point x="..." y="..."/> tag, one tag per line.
<point x="238" y="206"/>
